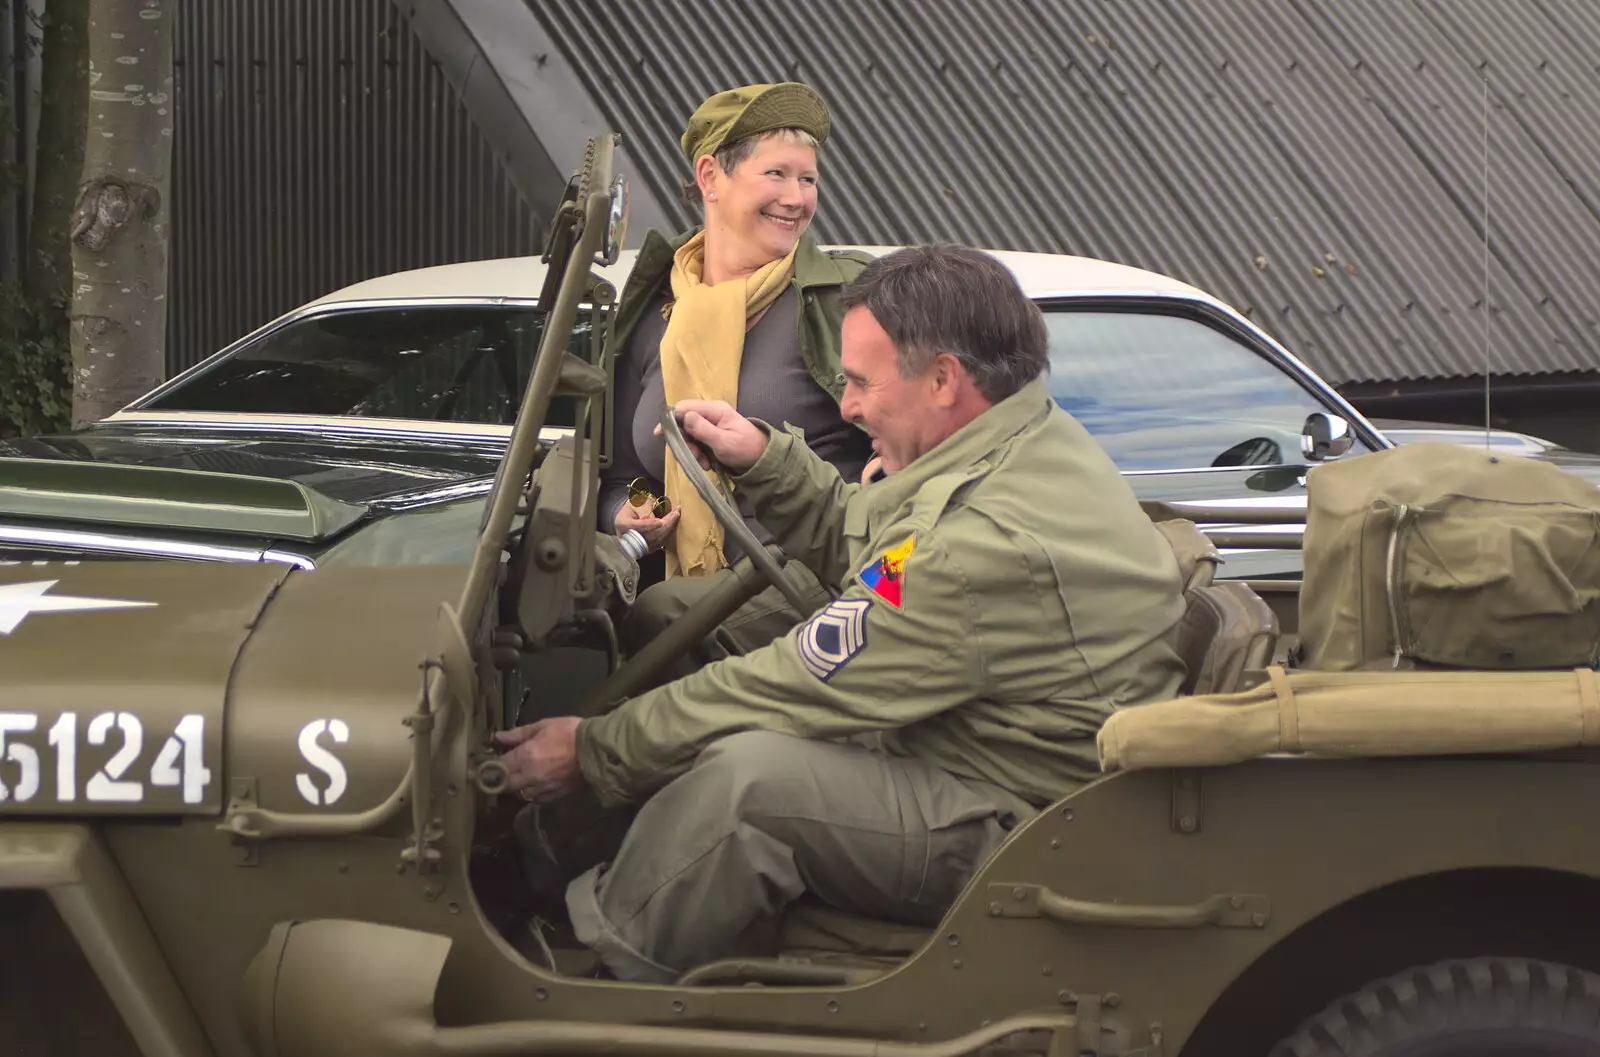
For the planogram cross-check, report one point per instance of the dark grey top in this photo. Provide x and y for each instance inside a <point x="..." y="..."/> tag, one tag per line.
<point x="774" y="386"/>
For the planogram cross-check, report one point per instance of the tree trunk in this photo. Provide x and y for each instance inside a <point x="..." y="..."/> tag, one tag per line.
<point x="58" y="166"/>
<point x="119" y="233"/>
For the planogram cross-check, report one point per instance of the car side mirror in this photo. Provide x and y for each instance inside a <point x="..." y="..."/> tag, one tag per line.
<point x="1325" y="437"/>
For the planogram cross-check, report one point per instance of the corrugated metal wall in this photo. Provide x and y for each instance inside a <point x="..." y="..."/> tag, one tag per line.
<point x="1318" y="163"/>
<point x="317" y="145"/>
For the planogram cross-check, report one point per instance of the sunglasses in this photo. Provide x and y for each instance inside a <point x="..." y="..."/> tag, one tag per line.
<point x="639" y="495"/>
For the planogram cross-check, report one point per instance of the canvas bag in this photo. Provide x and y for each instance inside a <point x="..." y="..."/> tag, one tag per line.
<point x="1445" y="555"/>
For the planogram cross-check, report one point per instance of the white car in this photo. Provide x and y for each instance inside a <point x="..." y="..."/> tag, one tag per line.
<point x="395" y="395"/>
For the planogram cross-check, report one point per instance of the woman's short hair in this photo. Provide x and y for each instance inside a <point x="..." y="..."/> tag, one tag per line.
<point x="730" y="155"/>
<point x="946" y="298"/>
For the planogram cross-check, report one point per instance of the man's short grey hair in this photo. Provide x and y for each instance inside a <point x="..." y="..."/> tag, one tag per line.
<point x="732" y="154"/>
<point x="945" y="298"/>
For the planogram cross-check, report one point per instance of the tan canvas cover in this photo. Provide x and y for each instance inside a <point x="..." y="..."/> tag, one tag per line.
<point x="1355" y="714"/>
<point x="1448" y="555"/>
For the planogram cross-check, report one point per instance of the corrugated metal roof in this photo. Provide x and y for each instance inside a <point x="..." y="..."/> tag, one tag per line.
<point x="1317" y="163"/>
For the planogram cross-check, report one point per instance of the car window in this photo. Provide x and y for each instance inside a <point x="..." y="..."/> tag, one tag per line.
<point x="1169" y="392"/>
<point x="438" y="363"/>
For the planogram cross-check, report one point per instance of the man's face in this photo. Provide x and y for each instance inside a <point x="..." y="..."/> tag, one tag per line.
<point x="902" y="415"/>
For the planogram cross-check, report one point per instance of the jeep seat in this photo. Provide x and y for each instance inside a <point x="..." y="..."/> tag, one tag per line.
<point x="1227" y="631"/>
<point x="1197" y="556"/>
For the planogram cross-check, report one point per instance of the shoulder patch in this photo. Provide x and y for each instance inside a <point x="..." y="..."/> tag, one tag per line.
<point x="828" y="640"/>
<point x="885" y="577"/>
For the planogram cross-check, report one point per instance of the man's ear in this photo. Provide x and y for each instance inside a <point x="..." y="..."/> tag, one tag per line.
<point x="949" y="378"/>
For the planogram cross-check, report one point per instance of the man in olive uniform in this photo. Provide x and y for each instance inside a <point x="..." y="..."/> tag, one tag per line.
<point x="1002" y="594"/>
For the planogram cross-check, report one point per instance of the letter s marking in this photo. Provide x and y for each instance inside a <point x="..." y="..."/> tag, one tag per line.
<point x="323" y="760"/>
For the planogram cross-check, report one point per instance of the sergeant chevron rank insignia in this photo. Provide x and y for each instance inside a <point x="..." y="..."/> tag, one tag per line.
<point x="829" y="639"/>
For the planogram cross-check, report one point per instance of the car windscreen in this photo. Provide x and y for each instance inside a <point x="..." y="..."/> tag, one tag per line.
<point x="443" y="363"/>
<point x="1162" y="390"/>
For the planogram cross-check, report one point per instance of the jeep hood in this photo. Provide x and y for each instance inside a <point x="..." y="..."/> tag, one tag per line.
<point x="304" y="486"/>
<point x="154" y="688"/>
<point x="168" y="498"/>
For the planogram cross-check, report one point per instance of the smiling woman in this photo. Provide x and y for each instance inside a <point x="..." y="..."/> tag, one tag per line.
<point x="744" y="308"/>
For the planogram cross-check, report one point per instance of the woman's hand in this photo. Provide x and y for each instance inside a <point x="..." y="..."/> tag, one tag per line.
<point x="655" y="530"/>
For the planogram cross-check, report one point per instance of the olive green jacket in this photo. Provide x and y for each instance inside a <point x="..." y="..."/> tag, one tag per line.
<point x="819" y="278"/>
<point x="1035" y="597"/>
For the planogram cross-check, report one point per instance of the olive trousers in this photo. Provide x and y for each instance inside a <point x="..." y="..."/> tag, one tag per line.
<point x="711" y="861"/>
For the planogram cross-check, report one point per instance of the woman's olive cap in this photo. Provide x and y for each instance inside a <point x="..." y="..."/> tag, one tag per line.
<point x="731" y="116"/>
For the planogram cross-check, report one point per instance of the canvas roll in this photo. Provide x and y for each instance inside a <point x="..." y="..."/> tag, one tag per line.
<point x="1361" y="713"/>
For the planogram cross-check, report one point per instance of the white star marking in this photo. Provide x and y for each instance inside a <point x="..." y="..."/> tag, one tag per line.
<point x="17" y="601"/>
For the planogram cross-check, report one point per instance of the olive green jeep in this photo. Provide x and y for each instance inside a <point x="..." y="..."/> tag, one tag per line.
<point x="255" y="809"/>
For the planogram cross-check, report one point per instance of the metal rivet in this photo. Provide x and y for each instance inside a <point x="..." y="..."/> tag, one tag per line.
<point x="541" y="994"/>
<point x="1019" y="894"/>
<point x="1112" y="1000"/>
<point x="1258" y="920"/>
<point x="953" y="940"/>
<point x="994" y="910"/>
<point x="1187" y="824"/>
<point x="344" y="867"/>
<point x="1055" y="842"/>
<point x="1066" y="997"/>
<point x="956" y="964"/>
<point x="677" y="1006"/>
<point x="922" y="1025"/>
<point x="1068" y="814"/>
<point x="452" y="789"/>
<point x="1237" y="902"/>
<point x="833" y="1007"/>
<point x="1045" y="970"/>
<point x="454" y="908"/>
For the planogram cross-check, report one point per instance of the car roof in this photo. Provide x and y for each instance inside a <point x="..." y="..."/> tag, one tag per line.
<point x="1041" y="275"/>
<point x="1406" y="425"/>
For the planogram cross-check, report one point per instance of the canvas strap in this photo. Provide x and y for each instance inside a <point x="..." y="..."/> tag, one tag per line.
<point x="1288" y="712"/>
<point x="1589" y="702"/>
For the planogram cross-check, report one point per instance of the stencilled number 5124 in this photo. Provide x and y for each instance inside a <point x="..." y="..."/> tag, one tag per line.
<point x="180" y="763"/>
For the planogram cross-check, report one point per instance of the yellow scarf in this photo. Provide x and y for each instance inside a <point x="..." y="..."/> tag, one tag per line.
<point x="700" y="355"/>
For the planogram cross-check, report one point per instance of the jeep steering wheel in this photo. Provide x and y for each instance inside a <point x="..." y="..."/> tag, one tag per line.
<point x="725" y="512"/>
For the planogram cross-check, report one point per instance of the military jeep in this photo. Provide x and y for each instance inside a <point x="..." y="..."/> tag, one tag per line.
<point x="254" y="809"/>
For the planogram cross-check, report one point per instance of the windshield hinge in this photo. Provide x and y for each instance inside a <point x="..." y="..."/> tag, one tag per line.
<point x="426" y="832"/>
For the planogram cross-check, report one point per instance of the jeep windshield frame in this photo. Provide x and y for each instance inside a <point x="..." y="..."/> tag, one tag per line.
<point x="577" y="237"/>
